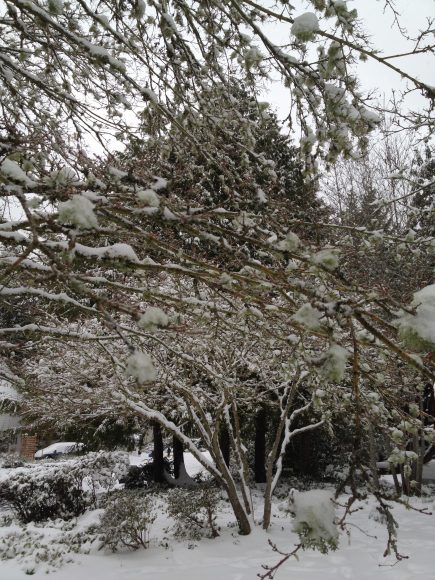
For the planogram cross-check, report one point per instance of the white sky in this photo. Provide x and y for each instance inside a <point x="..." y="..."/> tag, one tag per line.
<point x="386" y="38"/>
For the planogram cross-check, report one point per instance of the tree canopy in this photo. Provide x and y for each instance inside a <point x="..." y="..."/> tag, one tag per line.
<point x="165" y="235"/>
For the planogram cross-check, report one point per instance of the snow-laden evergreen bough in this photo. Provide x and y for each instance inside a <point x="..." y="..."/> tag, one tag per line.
<point x="180" y="276"/>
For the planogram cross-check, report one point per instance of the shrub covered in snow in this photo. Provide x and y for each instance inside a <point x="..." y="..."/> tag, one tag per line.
<point x="127" y="520"/>
<point x="100" y="471"/>
<point x="10" y="461"/>
<point x="46" y="547"/>
<point x="57" y="490"/>
<point x="36" y="495"/>
<point x="194" y="511"/>
<point x="142" y="476"/>
<point x="314" y="515"/>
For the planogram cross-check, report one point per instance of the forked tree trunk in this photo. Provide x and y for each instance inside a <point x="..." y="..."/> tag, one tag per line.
<point x="220" y="472"/>
<point x="283" y="436"/>
<point x="226" y="479"/>
<point x="245" y="527"/>
<point x="260" y="447"/>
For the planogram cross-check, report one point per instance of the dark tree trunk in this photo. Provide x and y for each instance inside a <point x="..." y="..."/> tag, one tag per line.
<point x="178" y="456"/>
<point x="260" y="447"/>
<point x="158" y="464"/>
<point x="224" y="444"/>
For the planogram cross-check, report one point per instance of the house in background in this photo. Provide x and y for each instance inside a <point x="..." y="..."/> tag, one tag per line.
<point x="10" y="436"/>
<point x="14" y="438"/>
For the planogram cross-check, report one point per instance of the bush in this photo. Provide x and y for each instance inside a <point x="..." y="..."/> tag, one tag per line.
<point x="127" y="520"/>
<point x="314" y="519"/>
<point x="10" y="461"/>
<point x="36" y="495"/>
<point x="142" y="476"/>
<point x="46" y="546"/>
<point x="194" y="511"/>
<point x="56" y="490"/>
<point x="100" y="471"/>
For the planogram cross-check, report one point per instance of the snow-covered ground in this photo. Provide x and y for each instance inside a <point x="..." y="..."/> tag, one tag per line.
<point x="234" y="557"/>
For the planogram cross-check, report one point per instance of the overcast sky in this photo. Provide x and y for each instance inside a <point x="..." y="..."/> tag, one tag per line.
<point x="386" y="38"/>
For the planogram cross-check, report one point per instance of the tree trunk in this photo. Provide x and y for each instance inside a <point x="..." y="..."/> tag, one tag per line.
<point x="228" y="483"/>
<point x="260" y="447"/>
<point x="158" y="464"/>
<point x="224" y="443"/>
<point x="239" y="511"/>
<point x="373" y="457"/>
<point x="178" y="447"/>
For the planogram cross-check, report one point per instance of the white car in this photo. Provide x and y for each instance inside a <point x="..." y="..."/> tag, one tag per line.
<point x="56" y="449"/>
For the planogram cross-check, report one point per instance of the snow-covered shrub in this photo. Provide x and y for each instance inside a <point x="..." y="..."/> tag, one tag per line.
<point x="314" y="519"/>
<point x="127" y="520"/>
<point x="37" y="494"/>
<point x="194" y="511"/>
<point x="100" y="471"/>
<point x="58" y="490"/>
<point x="10" y="461"/>
<point x="142" y="476"/>
<point x="47" y="546"/>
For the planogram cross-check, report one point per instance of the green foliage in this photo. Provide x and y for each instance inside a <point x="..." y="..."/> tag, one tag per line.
<point x="127" y="520"/>
<point x="194" y="511"/>
<point x="312" y="541"/>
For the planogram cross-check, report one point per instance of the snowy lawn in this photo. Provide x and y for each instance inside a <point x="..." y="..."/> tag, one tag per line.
<point x="235" y="557"/>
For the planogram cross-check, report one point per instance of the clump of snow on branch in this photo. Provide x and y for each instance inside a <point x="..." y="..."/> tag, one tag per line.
<point x="140" y="366"/>
<point x="418" y="330"/>
<point x="305" y="26"/>
<point x="78" y="211"/>
<point x="159" y="183"/>
<point x="314" y="519"/>
<point x="11" y="170"/>
<point x="289" y="244"/>
<point x="334" y="363"/>
<point x="149" y="197"/>
<point x="308" y="316"/>
<point x="153" y="317"/>
<point x="326" y="258"/>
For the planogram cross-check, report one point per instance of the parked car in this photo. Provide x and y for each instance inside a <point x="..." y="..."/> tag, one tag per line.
<point x="58" y="449"/>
